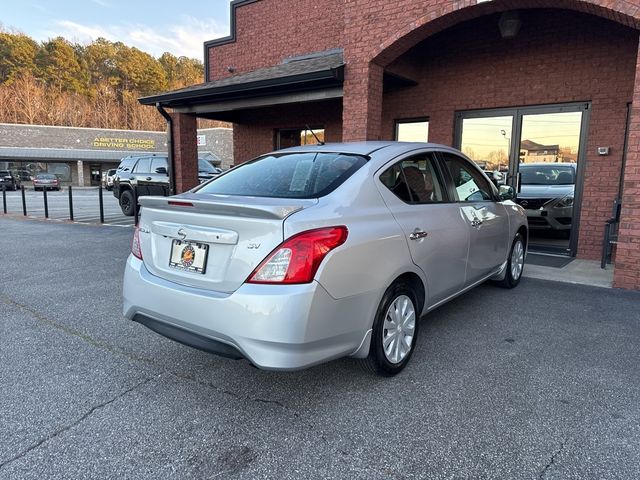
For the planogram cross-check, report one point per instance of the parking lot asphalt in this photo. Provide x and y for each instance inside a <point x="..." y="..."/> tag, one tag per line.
<point x="540" y="382"/>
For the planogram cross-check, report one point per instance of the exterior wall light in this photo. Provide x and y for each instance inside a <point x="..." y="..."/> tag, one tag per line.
<point x="509" y="24"/>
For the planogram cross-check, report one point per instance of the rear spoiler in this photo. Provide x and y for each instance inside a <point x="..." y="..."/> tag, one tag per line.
<point x="247" y="207"/>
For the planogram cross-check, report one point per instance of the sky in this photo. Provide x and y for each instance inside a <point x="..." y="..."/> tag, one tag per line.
<point x="154" y="27"/>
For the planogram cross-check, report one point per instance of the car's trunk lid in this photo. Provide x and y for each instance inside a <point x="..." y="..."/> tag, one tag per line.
<point x="238" y="231"/>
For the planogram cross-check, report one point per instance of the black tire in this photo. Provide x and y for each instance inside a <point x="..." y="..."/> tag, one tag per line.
<point x="126" y="203"/>
<point x="377" y="361"/>
<point x="512" y="276"/>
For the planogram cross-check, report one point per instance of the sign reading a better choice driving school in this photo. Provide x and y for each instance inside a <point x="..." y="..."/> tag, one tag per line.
<point x="114" y="143"/>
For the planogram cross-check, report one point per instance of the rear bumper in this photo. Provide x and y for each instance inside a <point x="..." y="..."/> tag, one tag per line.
<point x="275" y="327"/>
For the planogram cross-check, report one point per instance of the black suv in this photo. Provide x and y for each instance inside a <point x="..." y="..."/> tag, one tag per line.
<point x="147" y="174"/>
<point x="8" y="180"/>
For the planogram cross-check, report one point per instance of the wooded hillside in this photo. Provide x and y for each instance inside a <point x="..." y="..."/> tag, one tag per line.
<point x="97" y="85"/>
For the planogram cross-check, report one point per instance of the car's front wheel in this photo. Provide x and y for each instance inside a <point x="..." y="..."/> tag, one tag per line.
<point x="515" y="264"/>
<point x="126" y="203"/>
<point x="395" y="330"/>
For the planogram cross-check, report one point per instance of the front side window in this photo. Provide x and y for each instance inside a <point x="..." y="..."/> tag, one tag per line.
<point x="414" y="180"/>
<point x="293" y="175"/>
<point x="159" y="165"/>
<point x="470" y="185"/>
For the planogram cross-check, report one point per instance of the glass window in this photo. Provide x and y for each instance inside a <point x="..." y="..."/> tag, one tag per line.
<point x="412" y="130"/>
<point x="159" y="165"/>
<point x="126" y="165"/>
<point x="295" y="137"/>
<point x="60" y="170"/>
<point x="469" y="183"/>
<point x="414" y="180"/>
<point x="206" y="167"/>
<point x="143" y="165"/>
<point x="293" y="175"/>
<point x="549" y="174"/>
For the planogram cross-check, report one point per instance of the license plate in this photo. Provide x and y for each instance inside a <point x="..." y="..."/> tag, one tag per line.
<point x="189" y="256"/>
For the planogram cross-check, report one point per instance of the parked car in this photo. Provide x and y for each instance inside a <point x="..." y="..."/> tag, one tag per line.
<point x="9" y="181"/>
<point x="22" y="175"/>
<point x="108" y="179"/>
<point x="546" y="194"/>
<point x="147" y="175"/>
<point x="46" y="181"/>
<point x="323" y="251"/>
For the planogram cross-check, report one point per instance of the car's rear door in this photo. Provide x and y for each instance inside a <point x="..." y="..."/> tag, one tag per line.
<point x="159" y="183"/>
<point x="436" y="234"/>
<point x="486" y="219"/>
<point x="142" y="177"/>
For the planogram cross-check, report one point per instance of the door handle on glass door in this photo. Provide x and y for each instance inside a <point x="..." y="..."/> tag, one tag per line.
<point x="418" y="234"/>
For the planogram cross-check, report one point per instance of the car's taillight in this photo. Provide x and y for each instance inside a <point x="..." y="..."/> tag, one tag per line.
<point x="135" y="244"/>
<point x="297" y="259"/>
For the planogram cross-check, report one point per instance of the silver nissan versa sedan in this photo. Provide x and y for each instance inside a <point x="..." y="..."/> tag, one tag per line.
<point x="314" y="253"/>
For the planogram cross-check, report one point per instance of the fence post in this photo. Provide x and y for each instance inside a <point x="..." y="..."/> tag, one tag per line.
<point x="24" y="202"/>
<point x="136" y="213"/>
<point x="100" y="201"/>
<point x="4" y="198"/>
<point x="46" y="203"/>
<point x="70" y="204"/>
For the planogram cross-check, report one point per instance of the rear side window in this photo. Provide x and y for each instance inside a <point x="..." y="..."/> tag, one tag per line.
<point x="289" y="175"/>
<point x="143" y="165"/>
<point x="126" y="165"/>
<point x="414" y="180"/>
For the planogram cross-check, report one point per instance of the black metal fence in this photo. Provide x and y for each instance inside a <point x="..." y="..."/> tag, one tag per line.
<point x="87" y="206"/>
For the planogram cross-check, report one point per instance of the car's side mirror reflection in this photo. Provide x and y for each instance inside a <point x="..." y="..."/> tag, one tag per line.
<point x="161" y="170"/>
<point x="507" y="192"/>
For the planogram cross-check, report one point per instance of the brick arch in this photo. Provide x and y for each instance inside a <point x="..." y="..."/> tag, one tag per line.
<point x="451" y="13"/>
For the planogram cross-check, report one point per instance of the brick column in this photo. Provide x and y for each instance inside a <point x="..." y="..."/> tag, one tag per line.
<point x="362" y="102"/>
<point x="627" y="269"/>
<point x="185" y="151"/>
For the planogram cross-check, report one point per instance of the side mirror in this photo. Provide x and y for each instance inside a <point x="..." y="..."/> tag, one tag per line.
<point x="507" y="192"/>
<point x="161" y="170"/>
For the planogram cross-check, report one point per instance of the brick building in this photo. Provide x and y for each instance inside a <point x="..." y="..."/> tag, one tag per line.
<point x="483" y="76"/>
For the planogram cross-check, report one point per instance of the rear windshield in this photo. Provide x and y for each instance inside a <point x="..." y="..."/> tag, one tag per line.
<point x="287" y="175"/>
<point x="46" y="176"/>
<point x="552" y="174"/>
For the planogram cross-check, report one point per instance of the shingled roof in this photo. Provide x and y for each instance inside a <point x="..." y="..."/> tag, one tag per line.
<point x="306" y="73"/>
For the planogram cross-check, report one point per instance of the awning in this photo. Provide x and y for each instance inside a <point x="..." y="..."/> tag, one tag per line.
<point x="311" y="78"/>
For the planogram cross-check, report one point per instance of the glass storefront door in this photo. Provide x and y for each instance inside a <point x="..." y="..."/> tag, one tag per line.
<point x="536" y="150"/>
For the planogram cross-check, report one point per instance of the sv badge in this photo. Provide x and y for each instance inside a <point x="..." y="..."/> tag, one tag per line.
<point x="253" y="246"/>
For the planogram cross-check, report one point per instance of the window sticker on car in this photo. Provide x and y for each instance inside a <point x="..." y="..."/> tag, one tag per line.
<point x="301" y="175"/>
<point x="466" y="190"/>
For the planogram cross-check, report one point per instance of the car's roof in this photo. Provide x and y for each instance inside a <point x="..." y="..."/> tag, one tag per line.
<point x="366" y="148"/>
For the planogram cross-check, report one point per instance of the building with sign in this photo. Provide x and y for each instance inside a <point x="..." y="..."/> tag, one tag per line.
<point x="491" y="78"/>
<point x="79" y="156"/>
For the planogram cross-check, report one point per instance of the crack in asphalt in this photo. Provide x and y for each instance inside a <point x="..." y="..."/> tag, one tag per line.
<point x="61" y="430"/>
<point x="135" y="358"/>
<point x="552" y="460"/>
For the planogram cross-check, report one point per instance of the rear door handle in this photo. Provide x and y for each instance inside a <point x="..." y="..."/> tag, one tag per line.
<point x="418" y="234"/>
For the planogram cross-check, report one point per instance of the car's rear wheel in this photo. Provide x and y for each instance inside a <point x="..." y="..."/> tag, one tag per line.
<point x="126" y="203"/>
<point x="395" y="330"/>
<point x="515" y="264"/>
